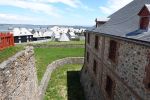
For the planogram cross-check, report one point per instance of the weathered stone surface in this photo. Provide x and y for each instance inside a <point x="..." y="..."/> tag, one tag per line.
<point x="90" y="85"/>
<point x="18" y="80"/>
<point x="129" y="72"/>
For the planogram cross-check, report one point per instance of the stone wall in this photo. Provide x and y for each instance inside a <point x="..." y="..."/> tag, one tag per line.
<point x="51" y="67"/>
<point x="130" y="66"/>
<point x="18" y="80"/>
<point x="127" y="76"/>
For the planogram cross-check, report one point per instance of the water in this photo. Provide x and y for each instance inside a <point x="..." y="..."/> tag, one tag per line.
<point x="9" y="27"/>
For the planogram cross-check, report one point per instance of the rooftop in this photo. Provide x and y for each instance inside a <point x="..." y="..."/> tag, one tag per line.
<point x="125" y="22"/>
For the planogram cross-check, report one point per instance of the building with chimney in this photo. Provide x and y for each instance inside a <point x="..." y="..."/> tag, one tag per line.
<point x="117" y="56"/>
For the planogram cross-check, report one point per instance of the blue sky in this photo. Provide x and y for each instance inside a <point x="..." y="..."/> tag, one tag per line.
<point x="57" y="12"/>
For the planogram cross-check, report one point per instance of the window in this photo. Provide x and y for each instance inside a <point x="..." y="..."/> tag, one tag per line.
<point x="95" y="67"/>
<point x="88" y="35"/>
<point x="96" y="42"/>
<point x="146" y="80"/>
<point x="19" y="37"/>
<point x="92" y="85"/>
<point x="85" y="71"/>
<point x="144" y="22"/>
<point x="87" y="56"/>
<point x="112" y="50"/>
<point x="109" y="86"/>
<point x="148" y="86"/>
<point x="144" y="17"/>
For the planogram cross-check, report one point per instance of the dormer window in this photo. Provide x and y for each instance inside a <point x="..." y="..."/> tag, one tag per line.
<point x="144" y="22"/>
<point x="144" y="15"/>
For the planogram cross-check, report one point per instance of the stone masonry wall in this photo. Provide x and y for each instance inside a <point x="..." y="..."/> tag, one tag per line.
<point x="130" y="66"/>
<point x="128" y="74"/>
<point x="51" y="67"/>
<point x="18" y="80"/>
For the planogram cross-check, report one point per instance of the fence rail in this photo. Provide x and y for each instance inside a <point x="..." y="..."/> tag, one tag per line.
<point x="6" y="40"/>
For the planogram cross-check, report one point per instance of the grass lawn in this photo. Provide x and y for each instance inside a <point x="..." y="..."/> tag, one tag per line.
<point x="82" y="42"/>
<point x="65" y="84"/>
<point x="45" y="56"/>
<point x="8" y="52"/>
<point x="70" y="42"/>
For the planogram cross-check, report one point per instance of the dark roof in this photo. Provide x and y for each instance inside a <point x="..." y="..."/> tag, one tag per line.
<point x="125" y="22"/>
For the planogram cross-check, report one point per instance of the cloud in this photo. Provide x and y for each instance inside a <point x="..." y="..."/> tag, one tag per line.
<point x="71" y="3"/>
<point x="43" y="11"/>
<point x="113" y="5"/>
<point x="44" y="6"/>
<point x="31" y="5"/>
<point x="11" y="18"/>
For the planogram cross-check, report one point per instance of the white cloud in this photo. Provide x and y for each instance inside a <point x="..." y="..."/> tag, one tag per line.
<point x="31" y="5"/>
<point x="18" y="19"/>
<point x="57" y="15"/>
<point x="113" y="5"/>
<point x="13" y="17"/>
<point x="44" y="6"/>
<point x="71" y="3"/>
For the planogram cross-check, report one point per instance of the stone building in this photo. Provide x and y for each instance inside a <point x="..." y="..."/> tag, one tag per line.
<point x="117" y="56"/>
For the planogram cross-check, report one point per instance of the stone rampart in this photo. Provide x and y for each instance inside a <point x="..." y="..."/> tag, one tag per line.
<point x="18" y="79"/>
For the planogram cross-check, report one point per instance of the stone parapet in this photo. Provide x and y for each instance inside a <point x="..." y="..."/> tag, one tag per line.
<point x="18" y="79"/>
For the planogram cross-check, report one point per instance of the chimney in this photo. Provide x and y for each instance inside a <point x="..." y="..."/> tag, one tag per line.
<point x="101" y="21"/>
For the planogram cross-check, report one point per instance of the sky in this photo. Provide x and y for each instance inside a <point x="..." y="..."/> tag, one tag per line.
<point x="57" y="12"/>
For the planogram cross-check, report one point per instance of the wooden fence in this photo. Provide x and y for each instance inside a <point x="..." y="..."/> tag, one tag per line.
<point x="6" y="40"/>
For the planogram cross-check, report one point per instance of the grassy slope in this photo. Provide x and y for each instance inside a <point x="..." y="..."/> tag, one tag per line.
<point x="65" y="84"/>
<point x="70" y="42"/>
<point x="45" y="56"/>
<point x="8" y="52"/>
<point x="61" y="43"/>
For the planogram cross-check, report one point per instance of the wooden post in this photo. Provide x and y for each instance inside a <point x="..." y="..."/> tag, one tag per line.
<point x="11" y="39"/>
<point x="9" y="36"/>
<point x="1" y="41"/>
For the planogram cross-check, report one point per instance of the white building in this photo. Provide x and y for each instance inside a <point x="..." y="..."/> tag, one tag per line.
<point x="64" y="37"/>
<point x="22" y="35"/>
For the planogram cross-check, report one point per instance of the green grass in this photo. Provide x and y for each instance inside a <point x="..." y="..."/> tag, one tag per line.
<point x="64" y="43"/>
<point x="65" y="84"/>
<point x="70" y="42"/>
<point x="8" y="52"/>
<point x="45" y="56"/>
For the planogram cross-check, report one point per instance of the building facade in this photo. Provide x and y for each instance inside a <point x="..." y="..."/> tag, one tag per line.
<point x="23" y="39"/>
<point x="22" y="35"/>
<point x="116" y="68"/>
<point x="117" y="55"/>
